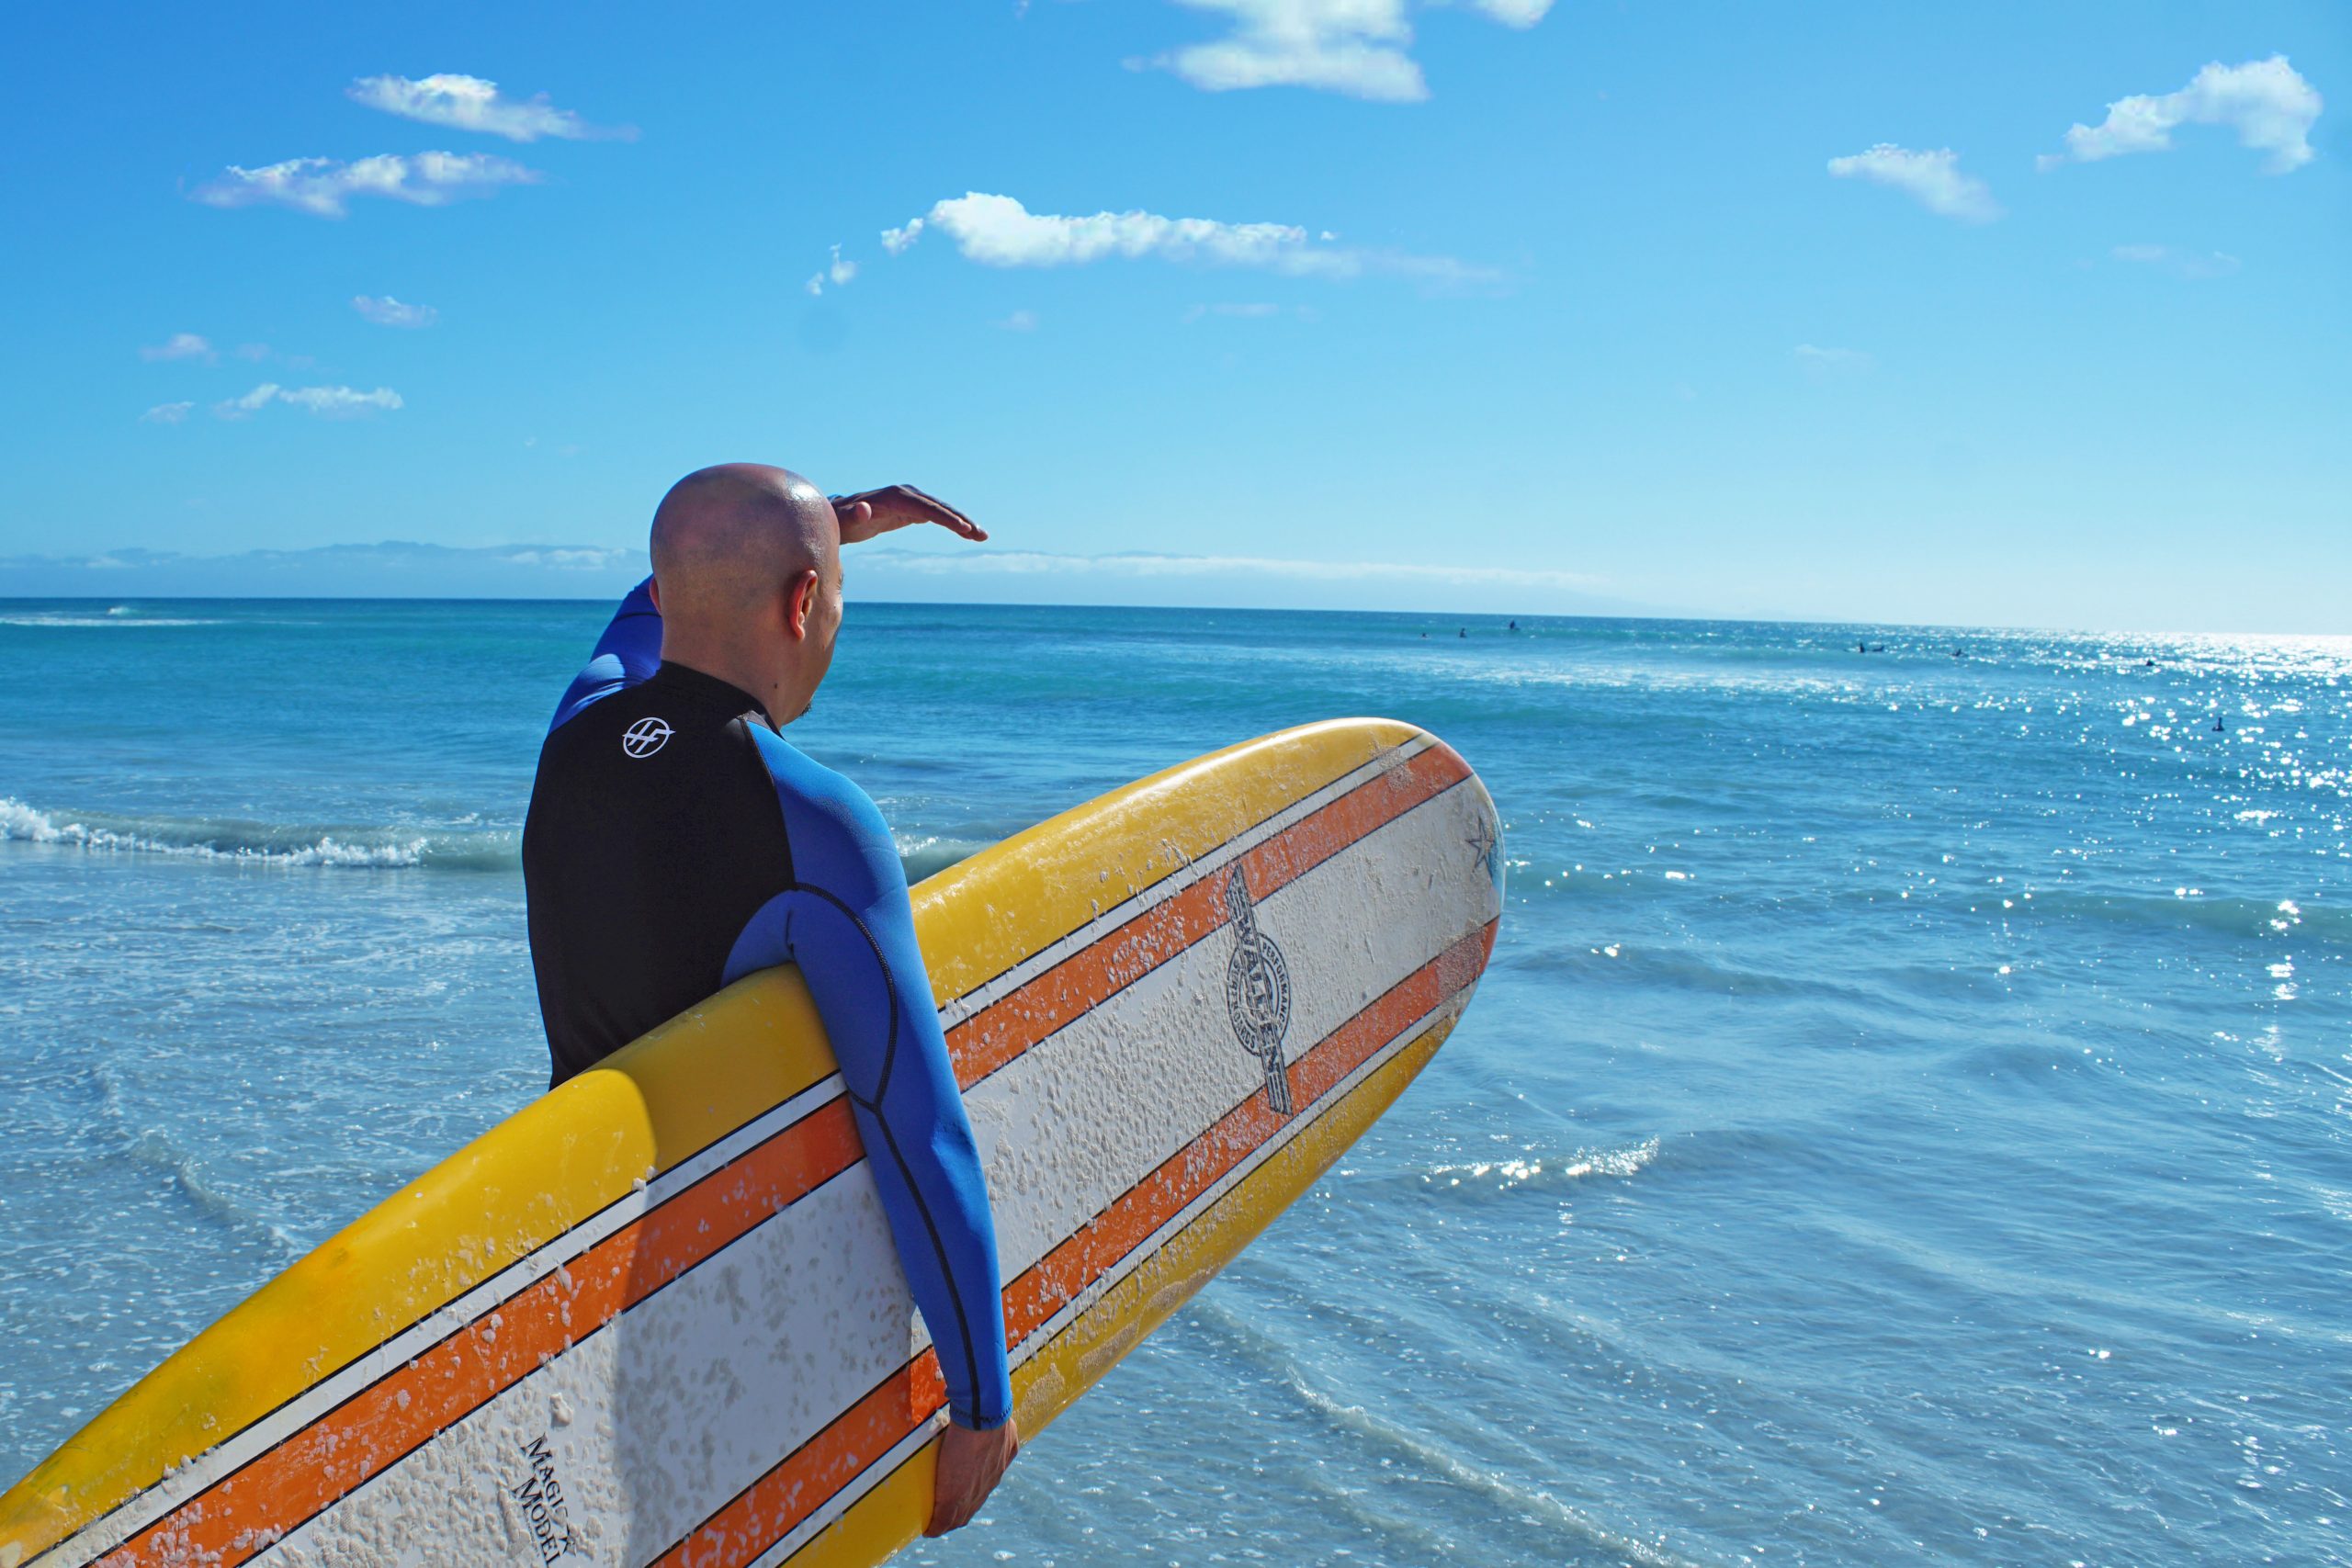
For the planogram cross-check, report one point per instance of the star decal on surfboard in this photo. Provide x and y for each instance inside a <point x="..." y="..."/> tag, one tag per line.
<point x="1257" y="991"/>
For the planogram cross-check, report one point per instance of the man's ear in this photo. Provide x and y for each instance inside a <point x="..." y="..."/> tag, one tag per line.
<point x="799" y="595"/>
<point x="653" y="591"/>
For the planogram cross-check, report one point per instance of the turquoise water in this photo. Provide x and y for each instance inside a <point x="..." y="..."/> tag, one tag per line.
<point x="1909" y="1117"/>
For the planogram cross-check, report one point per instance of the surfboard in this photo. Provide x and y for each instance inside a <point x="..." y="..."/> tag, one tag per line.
<point x="655" y="1316"/>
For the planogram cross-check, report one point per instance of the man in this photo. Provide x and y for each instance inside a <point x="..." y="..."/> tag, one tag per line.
<point x="676" y="842"/>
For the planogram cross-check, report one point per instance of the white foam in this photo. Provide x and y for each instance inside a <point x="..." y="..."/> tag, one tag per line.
<point x="119" y="616"/>
<point x="1514" y="1169"/>
<point x="29" y="825"/>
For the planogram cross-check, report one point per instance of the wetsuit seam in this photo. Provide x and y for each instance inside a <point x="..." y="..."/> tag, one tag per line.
<point x="889" y="982"/>
<point x="881" y="1120"/>
<point x="955" y="1296"/>
<point x="742" y="724"/>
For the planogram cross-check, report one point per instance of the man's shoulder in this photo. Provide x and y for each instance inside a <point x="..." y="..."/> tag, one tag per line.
<point x="639" y="735"/>
<point x="821" y="804"/>
<point x="810" y="785"/>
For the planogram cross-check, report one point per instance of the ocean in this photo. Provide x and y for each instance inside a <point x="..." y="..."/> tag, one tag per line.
<point x="1909" y="1117"/>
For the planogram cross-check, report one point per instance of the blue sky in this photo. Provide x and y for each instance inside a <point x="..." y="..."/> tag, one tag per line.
<point x="1493" y="304"/>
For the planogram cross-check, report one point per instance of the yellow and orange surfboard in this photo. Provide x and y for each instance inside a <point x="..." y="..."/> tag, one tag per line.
<point x="655" y="1317"/>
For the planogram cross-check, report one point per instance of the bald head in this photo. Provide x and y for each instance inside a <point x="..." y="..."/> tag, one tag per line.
<point x="727" y="539"/>
<point x="747" y="573"/>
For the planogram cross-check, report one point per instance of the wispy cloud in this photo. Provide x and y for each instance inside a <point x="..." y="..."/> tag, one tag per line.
<point x="998" y="231"/>
<point x="1152" y="565"/>
<point x="387" y="311"/>
<point x="1019" y="322"/>
<point x="327" y="401"/>
<point x="468" y="103"/>
<point x="1932" y="179"/>
<point x="835" y="272"/>
<point x="166" y="414"/>
<point x="2195" y="265"/>
<point x="1360" y="48"/>
<point x="2267" y="102"/>
<point x="325" y="186"/>
<point x="179" y="345"/>
<point x="1821" y="361"/>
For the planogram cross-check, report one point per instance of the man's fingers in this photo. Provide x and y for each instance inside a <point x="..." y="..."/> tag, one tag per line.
<point x="942" y="514"/>
<point x="892" y="507"/>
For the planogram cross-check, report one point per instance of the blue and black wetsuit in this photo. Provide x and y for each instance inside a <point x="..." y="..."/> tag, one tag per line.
<point x="676" y="844"/>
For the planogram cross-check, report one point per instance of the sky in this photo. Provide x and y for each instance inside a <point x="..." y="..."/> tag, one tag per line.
<point x="1975" y="313"/>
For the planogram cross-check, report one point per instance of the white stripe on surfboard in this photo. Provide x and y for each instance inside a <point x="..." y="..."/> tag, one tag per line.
<point x="989" y="992"/>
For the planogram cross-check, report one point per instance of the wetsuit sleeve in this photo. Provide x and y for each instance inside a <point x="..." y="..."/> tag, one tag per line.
<point x="629" y="651"/>
<point x="847" y="923"/>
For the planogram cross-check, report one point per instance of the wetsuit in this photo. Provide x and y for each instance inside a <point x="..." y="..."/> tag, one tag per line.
<point x="676" y="844"/>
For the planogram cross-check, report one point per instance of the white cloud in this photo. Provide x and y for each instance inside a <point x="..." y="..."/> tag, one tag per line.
<point x="332" y="402"/>
<point x="256" y="352"/>
<point x="165" y="413"/>
<point x="2271" y="107"/>
<point x="340" y="400"/>
<point x="1513" y="13"/>
<point x="1933" y="179"/>
<point x="261" y="397"/>
<point x="322" y="187"/>
<point x="468" y="103"/>
<point x="998" y="231"/>
<point x="1355" y="47"/>
<point x="387" y="311"/>
<point x="1019" y="322"/>
<point x="2195" y="265"/>
<point x="180" y="345"/>
<point x="896" y="240"/>
<point x="836" y="272"/>
<point x="1833" y="361"/>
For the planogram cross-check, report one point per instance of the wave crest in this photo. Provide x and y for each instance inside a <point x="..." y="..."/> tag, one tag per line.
<point x="342" y="846"/>
<point x="254" y="843"/>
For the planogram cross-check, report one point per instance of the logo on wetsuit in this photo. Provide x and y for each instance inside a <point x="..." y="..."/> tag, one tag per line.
<point x="1257" y="991"/>
<point x="645" y="737"/>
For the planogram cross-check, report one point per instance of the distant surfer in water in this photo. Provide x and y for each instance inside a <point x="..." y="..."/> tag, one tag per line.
<point x="675" y="843"/>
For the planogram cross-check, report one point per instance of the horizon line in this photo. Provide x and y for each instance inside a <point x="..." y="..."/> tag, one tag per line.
<point x="1458" y="617"/>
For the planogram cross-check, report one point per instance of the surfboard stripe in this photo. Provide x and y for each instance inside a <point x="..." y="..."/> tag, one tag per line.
<point x="383" y="1422"/>
<point x="772" y="1507"/>
<point x="1005" y="1029"/>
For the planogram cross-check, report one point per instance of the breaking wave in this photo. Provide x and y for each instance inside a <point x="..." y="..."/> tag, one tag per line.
<point x="261" y="842"/>
<point x="120" y="615"/>
<point x="338" y="846"/>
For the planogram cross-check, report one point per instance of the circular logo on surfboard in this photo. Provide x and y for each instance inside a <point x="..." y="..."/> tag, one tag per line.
<point x="1257" y="991"/>
<point x="646" y="736"/>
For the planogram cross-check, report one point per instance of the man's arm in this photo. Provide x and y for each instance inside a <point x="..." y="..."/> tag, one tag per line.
<point x="847" y="923"/>
<point x="629" y="651"/>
